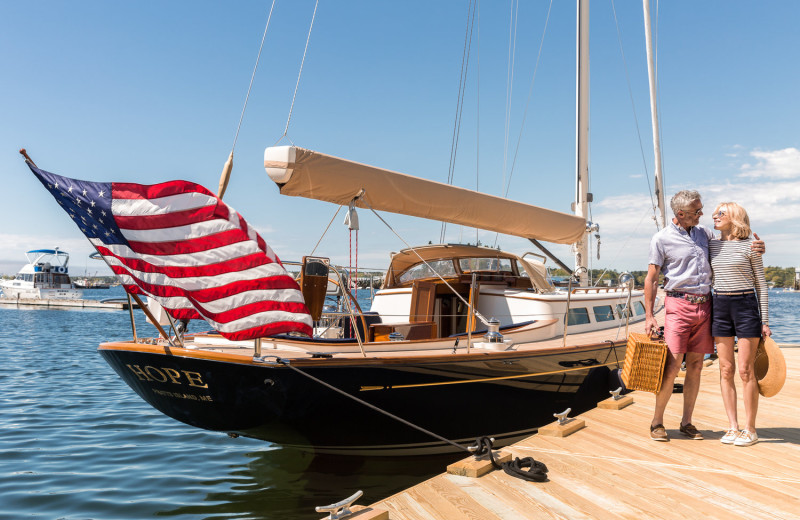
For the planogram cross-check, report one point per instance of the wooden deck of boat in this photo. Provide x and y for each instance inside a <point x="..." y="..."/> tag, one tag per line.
<point x="611" y="468"/>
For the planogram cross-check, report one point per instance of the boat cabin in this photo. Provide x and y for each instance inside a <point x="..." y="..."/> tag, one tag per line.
<point x="431" y="289"/>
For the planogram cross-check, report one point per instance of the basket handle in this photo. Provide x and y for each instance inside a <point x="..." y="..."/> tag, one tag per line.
<point x="657" y="334"/>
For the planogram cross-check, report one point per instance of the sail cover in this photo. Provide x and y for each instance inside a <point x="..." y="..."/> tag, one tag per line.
<point x="305" y="173"/>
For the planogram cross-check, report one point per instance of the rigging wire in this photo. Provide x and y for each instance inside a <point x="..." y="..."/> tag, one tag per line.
<point x="525" y="112"/>
<point x="635" y="116"/>
<point x="478" y="116"/>
<point x="625" y="244"/>
<point x="528" y="102"/>
<point x="300" y="73"/>
<point x="463" y="300"/>
<point x="462" y="81"/>
<point x="252" y="77"/>
<point x="326" y="231"/>
<point x="512" y="51"/>
<point x="228" y="166"/>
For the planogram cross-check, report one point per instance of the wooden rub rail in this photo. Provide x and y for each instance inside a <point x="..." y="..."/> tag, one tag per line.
<point x="612" y="469"/>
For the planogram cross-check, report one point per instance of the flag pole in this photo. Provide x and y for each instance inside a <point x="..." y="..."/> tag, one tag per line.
<point x="150" y="315"/>
<point x="27" y="158"/>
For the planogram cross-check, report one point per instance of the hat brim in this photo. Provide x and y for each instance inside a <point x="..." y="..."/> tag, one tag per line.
<point x="770" y="367"/>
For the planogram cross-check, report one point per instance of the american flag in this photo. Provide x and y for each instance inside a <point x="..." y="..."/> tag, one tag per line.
<point x="178" y="243"/>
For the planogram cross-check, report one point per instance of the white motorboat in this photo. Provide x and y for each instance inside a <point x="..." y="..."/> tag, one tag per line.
<point x="45" y="276"/>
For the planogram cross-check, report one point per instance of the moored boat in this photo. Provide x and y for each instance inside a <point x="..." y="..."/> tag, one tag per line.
<point x="417" y="359"/>
<point x="45" y="276"/>
<point x="460" y="341"/>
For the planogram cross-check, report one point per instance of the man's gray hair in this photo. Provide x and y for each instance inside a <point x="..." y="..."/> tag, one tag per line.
<point x="682" y="199"/>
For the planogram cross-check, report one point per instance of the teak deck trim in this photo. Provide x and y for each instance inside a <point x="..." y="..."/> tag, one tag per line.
<point x="611" y="468"/>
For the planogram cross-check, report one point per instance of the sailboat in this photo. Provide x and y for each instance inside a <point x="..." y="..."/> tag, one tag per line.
<point x="461" y="341"/>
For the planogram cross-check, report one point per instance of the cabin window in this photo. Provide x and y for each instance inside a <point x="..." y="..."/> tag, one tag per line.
<point x="578" y="316"/>
<point x="638" y="307"/>
<point x="443" y="268"/>
<point x="603" y="313"/>
<point x="622" y="311"/>
<point x="485" y="264"/>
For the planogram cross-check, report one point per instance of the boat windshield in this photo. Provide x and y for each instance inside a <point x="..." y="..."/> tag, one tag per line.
<point x="443" y="268"/>
<point x="495" y="265"/>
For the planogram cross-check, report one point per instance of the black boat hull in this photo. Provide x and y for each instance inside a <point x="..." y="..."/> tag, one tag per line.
<point x="502" y="395"/>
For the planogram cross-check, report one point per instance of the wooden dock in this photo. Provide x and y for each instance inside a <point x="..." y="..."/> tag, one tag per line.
<point x="117" y="304"/>
<point x="612" y="469"/>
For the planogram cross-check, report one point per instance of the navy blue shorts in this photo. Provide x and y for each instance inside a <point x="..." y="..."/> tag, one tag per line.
<point x="736" y="316"/>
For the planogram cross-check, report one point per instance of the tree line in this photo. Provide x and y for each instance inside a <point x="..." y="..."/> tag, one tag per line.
<point x="775" y="276"/>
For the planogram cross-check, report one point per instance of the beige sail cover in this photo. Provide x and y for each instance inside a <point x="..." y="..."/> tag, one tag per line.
<point x="305" y="173"/>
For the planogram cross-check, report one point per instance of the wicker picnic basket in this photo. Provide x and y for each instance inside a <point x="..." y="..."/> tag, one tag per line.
<point x="645" y="359"/>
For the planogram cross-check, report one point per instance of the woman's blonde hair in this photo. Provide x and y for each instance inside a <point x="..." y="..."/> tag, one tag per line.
<point x="740" y="222"/>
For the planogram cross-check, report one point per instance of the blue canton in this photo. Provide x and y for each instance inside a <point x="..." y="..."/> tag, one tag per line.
<point x="87" y="203"/>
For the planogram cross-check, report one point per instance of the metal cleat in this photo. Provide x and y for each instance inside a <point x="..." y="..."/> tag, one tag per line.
<point x="475" y="447"/>
<point x="615" y="394"/>
<point x="562" y="417"/>
<point x="339" y="509"/>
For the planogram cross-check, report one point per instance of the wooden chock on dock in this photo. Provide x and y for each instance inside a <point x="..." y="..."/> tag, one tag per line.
<point x="616" y="404"/>
<point x="558" y="429"/>
<point x="616" y="401"/>
<point x="477" y="466"/>
<point x="564" y="426"/>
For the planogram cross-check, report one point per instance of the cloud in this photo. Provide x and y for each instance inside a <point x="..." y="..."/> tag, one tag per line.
<point x="771" y="198"/>
<point x="775" y="164"/>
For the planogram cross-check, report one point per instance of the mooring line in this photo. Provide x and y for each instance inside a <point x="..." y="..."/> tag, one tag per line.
<point x="388" y="414"/>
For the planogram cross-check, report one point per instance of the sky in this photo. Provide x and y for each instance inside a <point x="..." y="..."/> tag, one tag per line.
<point x="153" y="91"/>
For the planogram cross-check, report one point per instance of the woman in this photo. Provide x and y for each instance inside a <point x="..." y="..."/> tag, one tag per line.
<point x="740" y="309"/>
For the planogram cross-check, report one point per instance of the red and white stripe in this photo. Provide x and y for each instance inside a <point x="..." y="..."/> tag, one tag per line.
<point x="198" y="258"/>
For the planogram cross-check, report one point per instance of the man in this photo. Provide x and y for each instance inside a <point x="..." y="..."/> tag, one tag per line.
<point x="680" y="252"/>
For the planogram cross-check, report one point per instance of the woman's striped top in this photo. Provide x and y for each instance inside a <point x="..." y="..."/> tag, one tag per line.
<point x="736" y="267"/>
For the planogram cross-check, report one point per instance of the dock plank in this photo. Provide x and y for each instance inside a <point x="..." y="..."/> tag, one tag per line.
<point x="611" y="468"/>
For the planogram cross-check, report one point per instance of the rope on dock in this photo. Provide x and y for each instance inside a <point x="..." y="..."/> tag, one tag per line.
<point x="372" y="406"/>
<point x="536" y="472"/>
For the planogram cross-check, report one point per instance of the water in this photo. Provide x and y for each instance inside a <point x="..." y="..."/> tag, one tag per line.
<point x="77" y="443"/>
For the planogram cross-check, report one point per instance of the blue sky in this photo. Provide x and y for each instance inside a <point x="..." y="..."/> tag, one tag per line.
<point x="152" y="91"/>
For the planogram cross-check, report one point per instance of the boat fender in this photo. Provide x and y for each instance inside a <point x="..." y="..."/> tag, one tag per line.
<point x="615" y="381"/>
<point x="536" y="470"/>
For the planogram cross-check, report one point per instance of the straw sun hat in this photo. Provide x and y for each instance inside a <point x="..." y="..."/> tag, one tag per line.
<point x="770" y="367"/>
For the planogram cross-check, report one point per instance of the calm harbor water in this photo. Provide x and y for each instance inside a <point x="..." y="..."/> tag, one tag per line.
<point x="77" y="443"/>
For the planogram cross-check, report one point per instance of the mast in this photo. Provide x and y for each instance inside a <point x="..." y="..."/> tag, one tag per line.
<point x="661" y="220"/>
<point x="582" y="195"/>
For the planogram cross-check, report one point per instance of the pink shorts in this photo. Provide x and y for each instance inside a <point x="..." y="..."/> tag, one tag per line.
<point x="687" y="326"/>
